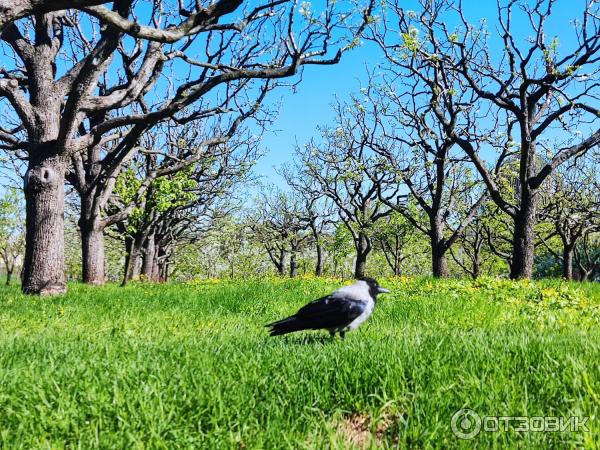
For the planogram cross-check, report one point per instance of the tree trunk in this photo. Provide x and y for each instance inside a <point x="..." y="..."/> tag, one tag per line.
<point x="281" y="264"/>
<point x="293" y="265"/>
<point x="524" y="240"/>
<point x="477" y="246"/>
<point x="159" y="257"/>
<point x="585" y="275"/>
<point x="568" y="262"/>
<point x="165" y="273"/>
<point x="92" y="251"/>
<point x="439" y="264"/>
<point x="92" y="233"/>
<point x="476" y="267"/>
<point x="44" y="264"/>
<point x="133" y="259"/>
<point x="128" y="250"/>
<point x="149" y="258"/>
<point x="320" y="260"/>
<point x="9" y="273"/>
<point x="160" y="262"/>
<point x="363" y="247"/>
<point x="361" y="265"/>
<point x="397" y="257"/>
<point x="136" y="261"/>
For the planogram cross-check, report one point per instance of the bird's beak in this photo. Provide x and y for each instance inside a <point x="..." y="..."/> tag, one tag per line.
<point x="381" y="290"/>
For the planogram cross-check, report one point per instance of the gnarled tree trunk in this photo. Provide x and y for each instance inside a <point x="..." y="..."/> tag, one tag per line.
<point x="524" y="240"/>
<point x="281" y="263"/>
<point x="568" y="261"/>
<point x="320" y="260"/>
<point x="92" y="251"/>
<point x="293" y="265"/>
<point x="133" y="258"/>
<point x="439" y="263"/>
<point x="44" y="265"/>
<point x="91" y="227"/>
<point x="476" y="271"/>
<point x="363" y="248"/>
<point x="149" y="257"/>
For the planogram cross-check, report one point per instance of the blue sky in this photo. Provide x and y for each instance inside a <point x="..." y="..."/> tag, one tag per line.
<point x="302" y="112"/>
<point x="309" y="107"/>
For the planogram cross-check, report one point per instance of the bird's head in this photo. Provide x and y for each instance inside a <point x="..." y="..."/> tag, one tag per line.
<point x="374" y="288"/>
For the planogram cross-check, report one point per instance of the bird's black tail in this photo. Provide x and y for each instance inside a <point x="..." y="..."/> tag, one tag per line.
<point x="286" y="326"/>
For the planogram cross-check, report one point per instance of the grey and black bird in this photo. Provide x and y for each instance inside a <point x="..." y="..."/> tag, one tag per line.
<point x="342" y="310"/>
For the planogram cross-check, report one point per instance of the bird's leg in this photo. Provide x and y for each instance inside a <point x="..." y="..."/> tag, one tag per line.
<point x="332" y="334"/>
<point x="342" y="334"/>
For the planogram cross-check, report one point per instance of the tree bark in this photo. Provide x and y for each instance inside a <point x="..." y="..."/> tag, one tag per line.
<point x="439" y="264"/>
<point x="281" y="263"/>
<point x="128" y="250"/>
<point x="9" y="273"/>
<point x="363" y="248"/>
<point x="476" y="267"/>
<point x="165" y="271"/>
<point x="92" y="251"/>
<point x="524" y="240"/>
<point x="397" y="256"/>
<point x="320" y="261"/>
<point x="149" y="256"/>
<point x="568" y="262"/>
<point x="90" y="225"/>
<point x="136" y="261"/>
<point x="161" y="264"/>
<point x="293" y="265"/>
<point x="133" y="259"/>
<point x="44" y="265"/>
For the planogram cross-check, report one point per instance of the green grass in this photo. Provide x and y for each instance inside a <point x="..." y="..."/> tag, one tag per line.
<point x="191" y="366"/>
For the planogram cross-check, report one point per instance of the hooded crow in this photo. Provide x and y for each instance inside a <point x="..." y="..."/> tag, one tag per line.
<point x="342" y="310"/>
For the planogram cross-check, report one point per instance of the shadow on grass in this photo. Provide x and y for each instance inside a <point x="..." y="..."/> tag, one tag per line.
<point x="309" y="339"/>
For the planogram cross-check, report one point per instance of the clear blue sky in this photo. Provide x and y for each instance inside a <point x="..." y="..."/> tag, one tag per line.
<point x="309" y="107"/>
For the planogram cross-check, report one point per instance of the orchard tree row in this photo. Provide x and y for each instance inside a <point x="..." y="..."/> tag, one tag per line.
<point x="471" y="139"/>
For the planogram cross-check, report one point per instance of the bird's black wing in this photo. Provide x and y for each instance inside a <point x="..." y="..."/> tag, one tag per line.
<point x="330" y="312"/>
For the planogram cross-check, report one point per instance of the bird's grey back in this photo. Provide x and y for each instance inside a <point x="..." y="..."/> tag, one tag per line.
<point x="356" y="291"/>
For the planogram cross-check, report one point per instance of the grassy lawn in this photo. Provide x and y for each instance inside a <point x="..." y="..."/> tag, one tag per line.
<point x="191" y="366"/>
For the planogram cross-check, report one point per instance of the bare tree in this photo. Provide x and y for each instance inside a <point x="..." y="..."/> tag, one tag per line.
<point x="176" y="147"/>
<point x="392" y="237"/>
<point x="587" y="256"/>
<point x="176" y="205"/>
<point x="571" y="204"/>
<point x="342" y="168"/>
<point x="419" y="147"/>
<point x="528" y="85"/>
<point x="71" y="87"/>
<point x="469" y="256"/>
<point x="279" y="224"/>
<point x="316" y="211"/>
